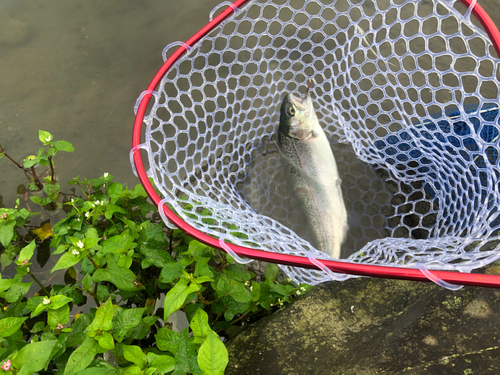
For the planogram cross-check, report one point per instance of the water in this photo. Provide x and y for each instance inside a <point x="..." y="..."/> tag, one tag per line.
<point x="75" y="69"/>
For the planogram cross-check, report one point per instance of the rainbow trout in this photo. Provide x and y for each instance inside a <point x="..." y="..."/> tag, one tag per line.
<point x="312" y="173"/>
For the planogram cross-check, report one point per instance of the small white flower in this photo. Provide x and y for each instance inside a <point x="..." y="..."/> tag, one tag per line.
<point x="92" y="204"/>
<point x="288" y="280"/>
<point x="72" y="200"/>
<point x="75" y="252"/>
<point x="77" y="219"/>
<point x="298" y="292"/>
<point x="251" y="288"/>
<point x="80" y="244"/>
<point x="302" y="289"/>
<point x="106" y="174"/>
<point x="46" y="301"/>
<point x="87" y="214"/>
<point x="247" y="283"/>
<point x="48" y="139"/>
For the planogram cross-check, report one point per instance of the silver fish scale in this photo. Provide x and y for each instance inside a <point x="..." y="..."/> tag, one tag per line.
<point x="407" y="92"/>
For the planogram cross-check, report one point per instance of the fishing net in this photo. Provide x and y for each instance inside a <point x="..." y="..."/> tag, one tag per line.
<point x="407" y="92"/>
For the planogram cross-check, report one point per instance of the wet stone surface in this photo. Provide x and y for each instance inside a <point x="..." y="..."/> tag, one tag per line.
<point x="369" y="326"/>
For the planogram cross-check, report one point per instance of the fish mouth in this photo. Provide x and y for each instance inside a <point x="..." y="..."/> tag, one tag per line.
<point x="299" y="102"/>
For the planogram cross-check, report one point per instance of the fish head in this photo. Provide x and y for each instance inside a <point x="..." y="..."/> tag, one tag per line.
<point x="297" y="117"/>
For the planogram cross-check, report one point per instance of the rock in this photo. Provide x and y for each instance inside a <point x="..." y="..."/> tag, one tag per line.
<point x="370" y="326"/>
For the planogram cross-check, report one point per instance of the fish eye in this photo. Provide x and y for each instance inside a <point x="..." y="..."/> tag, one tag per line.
<point x="291" y="111"/>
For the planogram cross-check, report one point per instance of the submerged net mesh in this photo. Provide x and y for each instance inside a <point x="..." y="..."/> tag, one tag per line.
<point x="407" y="92"/>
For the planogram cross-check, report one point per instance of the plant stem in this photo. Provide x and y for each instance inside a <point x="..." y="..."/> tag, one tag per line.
<point x="245" y="315"/>
<point x="51" y="170"/>
<point x="217" y="318"/>
<point x="94" y="292"/>
<point x="203" y="300"/>
<point x="12" y="160"/>
<point x="35" y="177"/>
<point x="39" y="284"/>
<point x="93" y="262"/>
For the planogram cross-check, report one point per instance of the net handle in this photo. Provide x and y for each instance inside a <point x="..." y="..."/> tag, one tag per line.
<point x="341" y="267"/>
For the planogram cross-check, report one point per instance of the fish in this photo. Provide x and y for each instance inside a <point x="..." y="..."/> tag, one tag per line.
<point x="312" y="174"/>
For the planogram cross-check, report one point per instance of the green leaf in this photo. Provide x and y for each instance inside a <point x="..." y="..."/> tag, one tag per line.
<point x="271" y="272"/>
<point x="58" y="301"/>
<point x="63" y="146"/>
<point x="167" y="340"/>
<point x="40" y="201"/>
<point x="196" y="249"/>
<point x="10" y="325"/>
<point x="119" y="244"/>
<point x="239" y="292"/>
<point x="157" y="256"/>
<point x="212" y="356"/>
<point x="199" y="324"/>
<point x="82" y="356"/>
<point x="87" y="283"/>
<point x="52" y="190"/>
<point x="102" y="293"/>
<point x="111" y="209"/>
<point x="7" y="283"/>
<point x="162" y="363"/>
<point x="185" y="356"/>
<point x="222" y="285"/>
<point x="135" y="355"/>
<point x="17" y="290"/>
<point x="170" y="272"/>
<point x="126" y="321"/>
<point x="177" y="295"/>
<point x="123" y="278"/>
<point x="91" y="238"/>
<point x="255" y="291"/>
<point x="97" y="371"/>
<point x="137" y="191"/>
<point x="58" y="316"/>
<point x="68" y="259"/>
<point x="103" y="317"/>
<point x="27" y="252"/>
<point x="202" y="268"/>
<point x="6" y="232"/>
<point x="105" y="340"/>
<point x="132" y="370"/>
<point x="45" y="137"/>
<point x="37" y="327"/>
<point x="33" y="357"/>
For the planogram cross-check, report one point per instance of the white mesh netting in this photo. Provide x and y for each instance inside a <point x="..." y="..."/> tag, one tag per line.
<point x="407" y="92"/>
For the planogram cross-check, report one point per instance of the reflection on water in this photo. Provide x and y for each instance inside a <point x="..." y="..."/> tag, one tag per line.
<point x="366" y="196"/>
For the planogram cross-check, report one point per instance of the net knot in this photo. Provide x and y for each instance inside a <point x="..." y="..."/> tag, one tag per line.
<point x="167" y="222"/>
<point x="437" y="280"/>
<point x="217" y="7"/>
<point x="144" y="146"/>
<point x="230" y="251"/>
<point x="139" y="99"/>
<point x="182" y="44"/>
<point x="332" y="275"/>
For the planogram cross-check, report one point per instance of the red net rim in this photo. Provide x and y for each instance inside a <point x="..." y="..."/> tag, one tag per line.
<point x="341" y="267"/>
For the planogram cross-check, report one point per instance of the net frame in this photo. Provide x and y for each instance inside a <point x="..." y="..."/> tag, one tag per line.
<point x="341" y="267"/>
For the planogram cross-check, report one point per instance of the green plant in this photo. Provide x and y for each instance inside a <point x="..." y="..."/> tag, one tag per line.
<point x="122" y="260"/>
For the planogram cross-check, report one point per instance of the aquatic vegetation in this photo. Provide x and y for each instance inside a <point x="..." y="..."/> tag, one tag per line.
<point x="119" y="263"/>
